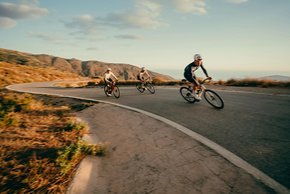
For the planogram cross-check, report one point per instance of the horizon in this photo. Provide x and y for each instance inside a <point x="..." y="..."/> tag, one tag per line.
<point x="224" y="74"/>
<point x="231" y="35"/>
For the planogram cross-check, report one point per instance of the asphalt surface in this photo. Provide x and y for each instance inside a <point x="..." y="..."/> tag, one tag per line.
<point x="254" y="124"/>
<point x="146" y="155"/>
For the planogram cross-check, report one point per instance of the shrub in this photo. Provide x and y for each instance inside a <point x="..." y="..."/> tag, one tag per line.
<point x="74" y="126"/>
<point x="71" y="155"/>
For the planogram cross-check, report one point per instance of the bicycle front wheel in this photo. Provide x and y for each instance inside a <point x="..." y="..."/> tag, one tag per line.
<point x="139" y="87"/>
<point x="187" y="94"/>
<point x="213" y="99"/>
<point x="116" y="92"/>
<point x="151" y="88"/>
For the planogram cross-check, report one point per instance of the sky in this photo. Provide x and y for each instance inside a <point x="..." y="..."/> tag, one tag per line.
<point x="234" y="37"/>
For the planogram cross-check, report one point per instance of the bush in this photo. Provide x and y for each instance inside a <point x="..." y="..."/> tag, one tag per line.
<point x="74" y="126"/>
<point x="70" y="156"/>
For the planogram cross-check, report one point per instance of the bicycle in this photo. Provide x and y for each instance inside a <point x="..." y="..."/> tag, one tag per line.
<point x="210" y="96"/>
<point x="112" y="88"/>
<point x="146" y="85"/>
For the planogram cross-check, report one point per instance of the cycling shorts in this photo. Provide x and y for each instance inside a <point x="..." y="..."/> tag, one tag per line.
<point x="191" y="78"/>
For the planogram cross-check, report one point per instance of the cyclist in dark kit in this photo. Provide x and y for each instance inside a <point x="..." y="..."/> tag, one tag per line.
<point x="190" y="76"/>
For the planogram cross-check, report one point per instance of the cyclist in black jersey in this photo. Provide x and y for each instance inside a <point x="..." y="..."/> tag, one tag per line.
<point x="190" y="76"/>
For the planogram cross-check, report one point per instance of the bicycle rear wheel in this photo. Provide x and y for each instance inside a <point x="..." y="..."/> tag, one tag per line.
<point x="187" y="94"/>
<point x="116" y="92"/>
<point x="139" y="87"/>
<point x="213" y="99"/>
<point x="151" y="88"/>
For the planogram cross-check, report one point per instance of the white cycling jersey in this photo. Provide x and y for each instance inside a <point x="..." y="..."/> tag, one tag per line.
<point x="144" y="74"/>
<point x="108" y="75"/>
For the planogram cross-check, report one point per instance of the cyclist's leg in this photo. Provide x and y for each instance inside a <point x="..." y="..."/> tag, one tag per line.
<point x="142" y="82"/>
<point x="110" y="82"/>
<point x="196" y="88"/>
<point x="195" y="83"/>
<point x="189" y="78"/>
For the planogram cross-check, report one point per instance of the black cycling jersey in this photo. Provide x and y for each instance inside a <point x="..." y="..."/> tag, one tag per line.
<point x="190" y="68"/>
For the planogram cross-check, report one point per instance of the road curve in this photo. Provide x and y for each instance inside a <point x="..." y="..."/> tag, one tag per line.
<point x="254" y="124"/>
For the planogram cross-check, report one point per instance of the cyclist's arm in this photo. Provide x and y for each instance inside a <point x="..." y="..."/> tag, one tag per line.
<point x="204" y="70"/>
<point x="148" y="75"/>
<point x="114" y="76"/>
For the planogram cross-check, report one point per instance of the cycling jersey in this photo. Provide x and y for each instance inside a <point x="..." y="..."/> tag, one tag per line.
<point x="190" y="69"/>
<point x="107" y="76"/>
<point x="143" y="75"/>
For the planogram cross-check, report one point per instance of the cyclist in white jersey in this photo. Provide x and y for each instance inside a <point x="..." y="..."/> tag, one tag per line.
<point x="108" y="77"/>
<point x="143" y="76"/>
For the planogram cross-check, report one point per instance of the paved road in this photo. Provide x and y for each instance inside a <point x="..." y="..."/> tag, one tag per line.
<point x="254" y="124"/>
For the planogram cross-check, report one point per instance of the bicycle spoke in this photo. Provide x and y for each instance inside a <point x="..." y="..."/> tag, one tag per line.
<point x="116" y="92"/>
<point x="187" y="95"/>
<point x="151" y="88"/>
<point x="213" y="99"/>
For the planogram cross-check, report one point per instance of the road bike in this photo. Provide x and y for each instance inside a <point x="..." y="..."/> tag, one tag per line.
<point x="146" y="85"/>
<point x="112" y="88"/>
<point x="210" y="96"/>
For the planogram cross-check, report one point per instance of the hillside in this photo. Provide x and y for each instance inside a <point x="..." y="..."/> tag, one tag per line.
<point x="14" y="74"/>
<point x="275" y="78"/>
<point x="82" y="68"/>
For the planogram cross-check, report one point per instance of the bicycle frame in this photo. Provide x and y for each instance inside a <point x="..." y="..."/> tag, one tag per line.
<point x="145" y="85"/>
<point x="112" y="85"/>
<point x="112" y="88"/>
<point x="202" y="86"/>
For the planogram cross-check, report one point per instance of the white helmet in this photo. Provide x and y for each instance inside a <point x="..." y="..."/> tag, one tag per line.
<point x="109" y="69"/>
<point x="197" y="57"/>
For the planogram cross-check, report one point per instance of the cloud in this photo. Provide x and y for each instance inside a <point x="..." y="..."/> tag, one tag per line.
<point x="7" y="22"/>
<point x="190" y="6"/>
<point x="144" y="15"/>
<point x="84" y="25"/>
<point x="92" y="49"/>
<point x="21" y="11"/>
<point x="130" y="37"/>
<point x="10" y="12"/>
<point x="237" y="1"/>
<point x="41" y="36"/>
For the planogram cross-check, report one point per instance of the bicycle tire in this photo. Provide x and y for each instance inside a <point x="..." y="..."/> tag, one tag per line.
<point x="150" y="88"/>
<point x="213" y="99"/>
<point x="139" y="88"/>
<point x="106" y="90"/>
<point x="116" y="92"/>
<point x="186" y="93"/>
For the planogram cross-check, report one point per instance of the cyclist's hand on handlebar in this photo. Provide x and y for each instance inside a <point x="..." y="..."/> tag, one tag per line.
<point x="209" y="78"/>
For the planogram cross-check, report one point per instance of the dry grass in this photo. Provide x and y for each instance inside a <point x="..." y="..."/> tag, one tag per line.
<point x="40" y="139"/>
<point x="13" y="74"/>
<point x="40" y="144"/>
<point x="79" y="84"/>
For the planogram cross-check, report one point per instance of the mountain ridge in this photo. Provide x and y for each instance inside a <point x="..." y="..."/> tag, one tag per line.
<point x="91" y="68"/>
